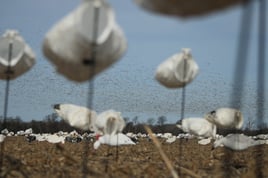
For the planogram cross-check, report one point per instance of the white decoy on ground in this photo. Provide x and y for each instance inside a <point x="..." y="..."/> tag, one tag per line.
<point x="54" y="138"/>
<point x="226" y="118"/>
<point x="178" y="70"/>
<point x="171" y="139"/>
<point x="113" y="140"/>
<point x="2" y="138"/>
<point x="108" y="122"/>
<point x="236" y="142"/>
<point x="204" y="141"/>
<point x="199" y="127"/>
<point x="77" y="116"/>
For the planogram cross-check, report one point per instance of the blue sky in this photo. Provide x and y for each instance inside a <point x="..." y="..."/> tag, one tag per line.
<point x="129" y="85"/>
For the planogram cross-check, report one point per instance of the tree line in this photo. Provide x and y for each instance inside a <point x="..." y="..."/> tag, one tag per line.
<point x="52" y="124"/>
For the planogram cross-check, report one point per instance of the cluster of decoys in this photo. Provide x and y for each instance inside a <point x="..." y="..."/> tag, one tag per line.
<point x="88" y="40"/>
<point x="89" y="35"/>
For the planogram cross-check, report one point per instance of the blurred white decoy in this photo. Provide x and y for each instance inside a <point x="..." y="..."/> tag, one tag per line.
<point x="171" y="139"/>
<point x="236" y="142"/>
<point x="204" y="141"/>
<point x="183" y="8"/>
<point x="199" y="127"/>
<point x="77" y="116"/>
<point x="28" y="131"/>
<point x="55" y="138"/>
<point x="178" y="70"/>
<point x="22" y="56"/>
<point x="113" y="140"/>
<point x="68" y="45"/>
<point x="5" y="131"/>
<point x="226" y="118"/>
<point x="108" y="122"/>
<point x="2" y="138"/>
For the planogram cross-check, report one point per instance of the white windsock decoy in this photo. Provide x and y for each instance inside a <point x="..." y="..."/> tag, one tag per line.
<point x="183" y="8"/>
<point x="2" y="138"/>
<point x="70" y="44"/>
<point x="236" y="142"/>
<point x="108" y="122"/>
<point x="76" y="116"/>
<point x="22" y="58"/>
<point x="178" y="70"/>
<point x="199" y="127"/>
<point x="113" y="140"/>
<point x="226" y="118"/>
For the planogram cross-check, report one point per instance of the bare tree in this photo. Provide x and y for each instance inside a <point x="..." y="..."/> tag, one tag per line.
<point x="135" y="120"/>
<point x="150" y="121"/>
<point x="161" y="120"/>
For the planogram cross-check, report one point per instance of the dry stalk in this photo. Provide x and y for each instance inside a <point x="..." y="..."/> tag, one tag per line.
<point x="163" y="155"/>
<point x="165" y="158"/>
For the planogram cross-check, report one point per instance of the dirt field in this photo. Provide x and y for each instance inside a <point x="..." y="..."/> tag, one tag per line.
<point x="43" y="159"/>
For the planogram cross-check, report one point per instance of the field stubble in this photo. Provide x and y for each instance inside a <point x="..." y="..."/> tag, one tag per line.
<point x="43" y="159"/>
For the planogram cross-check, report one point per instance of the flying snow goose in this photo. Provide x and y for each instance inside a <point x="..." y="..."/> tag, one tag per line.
<point x="113" y="140"/>
<point x="22" y="57"/>
<point x="178" y="70"/>
<point x="225" y="118"/>
<point x="68" y="45"/>
<point x="199" y="127"/>
<point x="236" y="142"/>
<point x="76" y="116"/>
<point x="108" y="122"/>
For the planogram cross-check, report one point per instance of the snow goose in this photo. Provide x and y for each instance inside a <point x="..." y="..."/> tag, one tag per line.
<point x="108" y="122"/>
<point x="236" y="142"/>
<point x="225" y="118"/>
<point x="77" y="116"/>
<point x="198" y="126"/>
<point x="113" y="140"/>
<point x="178" y="70"/>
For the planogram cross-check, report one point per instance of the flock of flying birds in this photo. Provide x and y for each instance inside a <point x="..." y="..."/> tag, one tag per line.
<point x="94" y="42"/>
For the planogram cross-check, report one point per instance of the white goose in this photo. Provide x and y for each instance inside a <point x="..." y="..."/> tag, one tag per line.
<point x="77" y="116"/>
<point x="225" y="118"/>
<point x="108" y="122"/>
<point x="199" y="127"/>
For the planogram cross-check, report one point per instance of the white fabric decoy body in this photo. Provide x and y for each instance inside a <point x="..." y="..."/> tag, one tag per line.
<point x="236" y="142"/>
<point x="113" y="140"/>
<point x="108" y="122"/>
<point x="199" y="127"/>
<point x="2" y="138"/>
<point x="22" y="56"/>
<point x="178" y="70"/>
<point x="69" y="44"/>
<point x="226" y="118"/>
<point x="187" y="8"/>
<point x="76" y="116"/>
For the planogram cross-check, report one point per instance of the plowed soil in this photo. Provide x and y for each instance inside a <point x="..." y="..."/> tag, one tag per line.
<point x="43" y="159"/>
